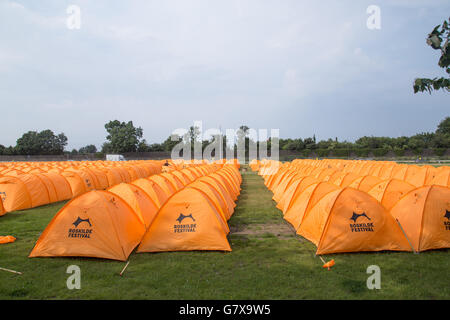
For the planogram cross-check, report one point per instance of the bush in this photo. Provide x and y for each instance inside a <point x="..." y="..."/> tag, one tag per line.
<point x="399" y="152"/>
<point x="322" y="152"/>
<point x="341" y="152"/>
<point x="380" y="152"/>
<point x="362" y="153"/>
<point x="417" y="151"/>
<point x="439" y="151"/>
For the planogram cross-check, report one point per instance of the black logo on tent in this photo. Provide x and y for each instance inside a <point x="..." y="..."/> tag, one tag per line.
<point x="79" y="220"/>
<point x="3" y="196"/>
<point x="181" y="228"/>
<point x="447" y="214"/>
<point x="447" y="223"/>
<point x="355" y="216"/>
<point x="182" y="217"/>
<point x="80" y="233"/>
<point x="360" y="227"/>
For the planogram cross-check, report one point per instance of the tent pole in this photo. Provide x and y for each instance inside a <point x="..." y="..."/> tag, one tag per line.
<point x="123" y="270"/>
<point x="406" y="237"/>
<point x="12" y="271"/>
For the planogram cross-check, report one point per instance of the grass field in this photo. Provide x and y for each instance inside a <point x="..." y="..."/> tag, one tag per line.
<point x="268" y="261"/>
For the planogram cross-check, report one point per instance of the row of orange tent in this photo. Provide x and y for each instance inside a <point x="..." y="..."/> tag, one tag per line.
<point x="30" y="185"/>
<point x="185" y="209"/>
<point x="350" y="206"/>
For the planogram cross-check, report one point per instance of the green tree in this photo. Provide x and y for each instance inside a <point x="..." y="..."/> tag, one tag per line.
<point x="41" y="143"/>
<point x="122" y="136"/>
<point x="171" y="142"/>
<point x="28" y="144"/>
<point x="106" y="148"/>
<point x="194" y="134"/>
<point x="444" y="126"/>
<point x="88" y="149"/>
<point x="438" y="40"/>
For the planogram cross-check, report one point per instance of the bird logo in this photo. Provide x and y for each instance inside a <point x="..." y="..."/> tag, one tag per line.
<point x="355" y="216"/>
<point x="79" y="220"/>
<point x="447" y="214"/>
<point x="182" y="217"/>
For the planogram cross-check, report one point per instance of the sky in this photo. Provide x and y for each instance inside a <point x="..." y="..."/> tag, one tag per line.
<point x="303" y="67"/>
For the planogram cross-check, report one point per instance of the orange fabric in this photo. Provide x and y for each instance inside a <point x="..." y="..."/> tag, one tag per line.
<point x="138" y="200"/>
<point x="7" y="239"/>
<point x="355" y="222"/>
<point x="279" y="191"/>
<point x="76" y="182"/>
<point x="329" y="264"/>
<point x="97" y="224"/>
<point x="389" y="192"/>
<point x="229" y="203"/>
<point x="424" y="214"/>
<point x="152" y="190"/>
<point x="2" y="209"/>
<point x="176" y="182"/>
<point x="23" y="192"/>
<point x="215" y="199"/>
<point x="441" y="178"/>
<point x="188" y="221"/>
<point x="365" y="183"/>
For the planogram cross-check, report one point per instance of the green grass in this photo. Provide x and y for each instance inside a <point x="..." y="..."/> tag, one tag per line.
<point x="268" y="261"/>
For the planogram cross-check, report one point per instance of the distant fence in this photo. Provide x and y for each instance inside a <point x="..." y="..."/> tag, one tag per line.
<point x="35" y="158"/>
<point x="284" y="155"/>
<point x="287" y="155"/>
<point x="157" y="155"/>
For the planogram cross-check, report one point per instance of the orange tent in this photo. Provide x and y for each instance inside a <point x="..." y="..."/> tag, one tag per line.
<point x="216" y="199"/>
<point x="345" y="181"/>
<point x="223" y="192"/>
<point x="226" y="183"/>
<point x="304" y="201"/>
<point x="153" y="190"/>
<point x="182" y="177"/>
<point x="138" y="200"/>
<point x="279" y="191"/>
<point x="7" y="239"/>
<point x="188" y="221"/>
<point x="294" y="189"/>
<point x="78" y="183"/>
<point x="188" y="174"/>
<point x="97" y="224"/>
<point x="175" y="181"/>
<point x="161" y="188"/>
<point x="58" y="187"/>
<point x="23" y="192"/>
<point x="164" y="183"/>
<point x="2" y="209"/>
<point x="365" y="183"/>
<point x="350" y="220"/>
<point x="424" y="214"/>
<point x="388" y="192"/>
<point x="113" y="175"/>
<point x="441" y="179"/>
<point x="100" y="178"/>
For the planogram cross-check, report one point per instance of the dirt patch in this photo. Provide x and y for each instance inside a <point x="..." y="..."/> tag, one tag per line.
<point x="280" y="230"/>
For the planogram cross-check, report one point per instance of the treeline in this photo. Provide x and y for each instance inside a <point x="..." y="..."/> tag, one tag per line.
<point x="37" y="143"/>
<point x="438" y="141"/>
<point x="124" y="137"/>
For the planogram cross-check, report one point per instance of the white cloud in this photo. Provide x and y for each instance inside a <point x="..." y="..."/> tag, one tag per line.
<point x="165" y="63"/>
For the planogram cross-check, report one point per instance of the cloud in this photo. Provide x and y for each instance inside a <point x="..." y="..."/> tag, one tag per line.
<point x="303" y="67"/>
